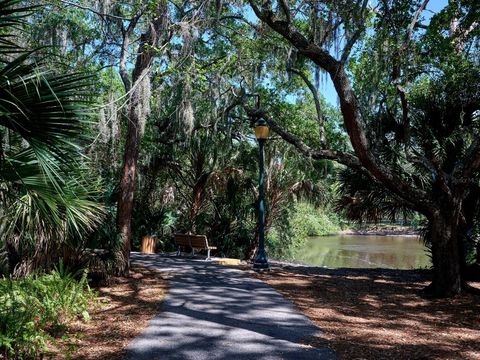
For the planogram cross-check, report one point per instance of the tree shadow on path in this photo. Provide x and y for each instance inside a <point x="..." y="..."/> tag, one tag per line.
<point x="213" y="312"/>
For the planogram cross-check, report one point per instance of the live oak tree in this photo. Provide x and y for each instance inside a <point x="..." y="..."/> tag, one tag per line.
<point x="134" y="36"/>
<point x="407" y="88"/>
<point x="414" y="124"/>
<point x="185" y="74"/>
<point x="165" y="26"/>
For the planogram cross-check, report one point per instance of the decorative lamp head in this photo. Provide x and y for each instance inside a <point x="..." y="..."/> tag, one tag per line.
<point x="261" y="129"/>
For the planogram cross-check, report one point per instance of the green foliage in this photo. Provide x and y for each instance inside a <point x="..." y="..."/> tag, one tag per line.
<point x="34" y="309"/>
<point x="46" y="202"/>
<point x="304" y="220"/>
<point x="362" y="200"/>
<point x="315" y="221"/>
<point x="198" y="172"/>
<point x="234" y="217"/>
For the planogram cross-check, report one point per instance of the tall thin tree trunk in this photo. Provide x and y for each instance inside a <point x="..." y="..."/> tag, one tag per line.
<point x="127" y="182"/>
<point x="138" y="102"/>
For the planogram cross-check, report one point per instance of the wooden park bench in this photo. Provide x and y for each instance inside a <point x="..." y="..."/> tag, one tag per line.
<point x="194" y="242"/>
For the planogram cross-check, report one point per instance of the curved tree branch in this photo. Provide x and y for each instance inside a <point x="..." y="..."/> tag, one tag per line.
<point x="285" y="9"/>
<point x="351" y="41"/>
<point x="316" y="100"/>
<point x="126" y="34"/>
<point x="349" y="106"/>
<point x="344" y="158"/>
<point x="414" y="20"/>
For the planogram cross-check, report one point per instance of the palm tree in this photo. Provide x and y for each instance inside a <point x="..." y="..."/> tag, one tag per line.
<point x="361" y="200"/>
<point x="44" y="203"/>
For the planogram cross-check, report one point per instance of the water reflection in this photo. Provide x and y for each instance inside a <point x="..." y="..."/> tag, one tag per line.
<point x="364" y="251"/>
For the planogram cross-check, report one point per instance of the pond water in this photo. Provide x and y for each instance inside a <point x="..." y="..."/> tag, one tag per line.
<point x="364" y="251"/>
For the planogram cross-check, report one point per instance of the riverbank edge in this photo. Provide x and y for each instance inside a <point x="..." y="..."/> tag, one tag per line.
<point x="405" y="274"/>
<point x="386" y="232"/>
<point x="382" y="231"/>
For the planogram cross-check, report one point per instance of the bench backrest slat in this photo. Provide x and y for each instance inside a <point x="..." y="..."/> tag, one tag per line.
<point x="196" y="241"/>
<point x="181" y="239"/>
<point x="199" y="241"/>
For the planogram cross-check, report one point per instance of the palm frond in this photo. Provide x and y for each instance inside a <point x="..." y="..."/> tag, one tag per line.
<point x="45" y="201"/>
<point x="38" y="206"/>
<point x="361" y="199"/>
<point x="12" y="15"/>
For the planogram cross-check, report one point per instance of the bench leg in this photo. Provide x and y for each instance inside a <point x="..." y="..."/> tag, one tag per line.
<point x="208" y="255"/>
<point x="193" y="252"/>
<point x="178" y="251"/>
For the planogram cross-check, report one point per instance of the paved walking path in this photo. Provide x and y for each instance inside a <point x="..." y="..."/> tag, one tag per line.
<point x="214" y="312"/>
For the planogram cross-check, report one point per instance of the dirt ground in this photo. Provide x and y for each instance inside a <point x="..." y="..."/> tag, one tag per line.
<point x="363" y="313"/>
<point x="121" y="312"/>
<point x="381" y="314"/>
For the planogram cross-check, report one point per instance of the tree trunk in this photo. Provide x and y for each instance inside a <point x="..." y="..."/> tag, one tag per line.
<point x="13" y="257"/>
<point x="252" y="249"/>
<point x="446" y="257"/>
<point x="137" y="113"/>
<point x="127" y="183"/>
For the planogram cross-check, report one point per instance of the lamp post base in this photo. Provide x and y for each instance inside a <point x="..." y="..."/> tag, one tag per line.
<point x="261" y="267"/>
<point x="260" y="263"/>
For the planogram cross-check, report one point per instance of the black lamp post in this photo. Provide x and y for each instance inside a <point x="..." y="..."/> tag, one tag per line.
<point x="261" y="262"/>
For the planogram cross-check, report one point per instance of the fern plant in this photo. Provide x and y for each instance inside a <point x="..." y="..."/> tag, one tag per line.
<point x="33" y="308"/>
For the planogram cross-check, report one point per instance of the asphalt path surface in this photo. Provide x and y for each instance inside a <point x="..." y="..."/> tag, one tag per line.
<point x="215" y="312"/>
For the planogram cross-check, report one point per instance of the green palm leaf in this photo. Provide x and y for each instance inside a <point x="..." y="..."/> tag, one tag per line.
<point x="11" y="16"/>
<point x="44" y="201"/>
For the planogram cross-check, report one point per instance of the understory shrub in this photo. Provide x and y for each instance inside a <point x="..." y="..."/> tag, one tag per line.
<point x="35" y="309"/>
<point x="305" y="220"/>
<point x="311" y="221"/>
